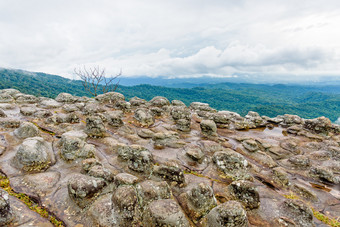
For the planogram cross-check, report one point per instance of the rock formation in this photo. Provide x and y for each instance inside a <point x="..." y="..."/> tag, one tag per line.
<point x="109" y="162"/>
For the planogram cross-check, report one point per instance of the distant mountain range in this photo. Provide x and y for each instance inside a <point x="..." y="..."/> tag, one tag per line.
<point x="308" y="101"/>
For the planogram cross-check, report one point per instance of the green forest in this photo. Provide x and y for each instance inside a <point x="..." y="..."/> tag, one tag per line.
<point x="269" y="100"/>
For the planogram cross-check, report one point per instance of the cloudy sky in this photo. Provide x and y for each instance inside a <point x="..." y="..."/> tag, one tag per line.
<point x="177" y="38"/>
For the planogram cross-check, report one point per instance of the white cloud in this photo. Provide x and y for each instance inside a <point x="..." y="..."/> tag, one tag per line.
<point x="172" y="38"/>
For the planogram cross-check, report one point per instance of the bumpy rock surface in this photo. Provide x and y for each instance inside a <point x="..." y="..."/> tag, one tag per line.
<point x="107" y="162"/>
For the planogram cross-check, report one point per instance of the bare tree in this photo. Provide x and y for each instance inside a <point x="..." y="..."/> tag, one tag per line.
<point x="94" y="78"/>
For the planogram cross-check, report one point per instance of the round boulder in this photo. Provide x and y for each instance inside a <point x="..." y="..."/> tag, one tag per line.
<point x="27" y="129"/>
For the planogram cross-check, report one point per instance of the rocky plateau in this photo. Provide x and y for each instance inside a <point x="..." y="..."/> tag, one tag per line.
<point x="105" y="161"/>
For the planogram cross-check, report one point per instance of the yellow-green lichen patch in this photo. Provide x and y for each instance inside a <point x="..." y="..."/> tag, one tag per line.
<point x="5" y="185"/>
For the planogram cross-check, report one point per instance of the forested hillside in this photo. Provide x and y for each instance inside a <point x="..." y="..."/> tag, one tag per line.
<point x="270" y="100"/>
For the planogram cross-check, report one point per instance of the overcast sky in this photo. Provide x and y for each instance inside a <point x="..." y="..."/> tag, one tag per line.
<point x="173" y="38"/>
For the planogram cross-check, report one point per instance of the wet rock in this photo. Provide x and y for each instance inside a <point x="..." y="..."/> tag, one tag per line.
<point x="73" y="146"/>
<point x="198" y="201"/>
<point x="115" y="118"/>
<point x="250" y="145"/>
<point x="102" y="213"/>
<point x="83" y="189"/>
<point x="6" y="213"/>
<point x="149" y="191"/>
<point x="110" y="97"/>
<point x="126" y="200"/>
<point x="298" y="211"/>
<point x="9" y="123"/>
<point x="99" y="171"/>
<point x="195" y="153"/>
<point x="95" y="127"/>
<point x="232" y="164"/>
<point x="170" y="171"/>
<point x="138" y="158"/>
<point x="144" y="117"/>
<point x="28" y="110"/>
<point x="159" y="101"/>
<point x="246" y="193"/>
<point x="2" y="113"/>
<point x="34" y="154"/>
<point x="280" y="176"/>
<point x="136" y="102"/>
<point x="230" y="213"/>
<point x="167" y="139"/>
<point x="278" y="153"/>
<point x="177" y="103"/>
<point x="125" y="178"/>
<point x="324" y="174"/>
<point x="164" y="212"/>
<point x="208" y="128"/>
<point x="299" y="161"/>
<point x="87" y="164"/>
<point x="66" y="98"/>
<point x="27" y="129"/>
<point x="22" y="98"/>
<point x="295" y="129"/>
<point x="290" y="146"/>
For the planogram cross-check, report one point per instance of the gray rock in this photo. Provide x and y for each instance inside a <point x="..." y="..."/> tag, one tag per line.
<point x="99" y="171"/>
<point x="27" y="129"/>
<point x="167" y="139"/>
<point x="299" y="161"/>
<point x="318" y="125"/>
<point x="231" y="163"/>
<point x="289" y="120"/>
<point x="251" y="145"/>
<point x="42" y="114"/>
<point x="208" y="128"/>
<point x="159" y="101"/>
<point x="165" y="212"/>
<point x="199" y="106"/>
<point x="149" y="191"/>
<point x="198" y="201"/>
<point x="183" y="125"/>
<point x="280" y="176"/>
<point x="95" y="127"/>
<point x="2" y="113"/>
<point x="66" y="98"/>
<point x="230" y="214"/>
<point x="22" y="98"/>
<point x="195" y="153"/>
<point x="114" y="118"/>
<point x="246" y="193"/>
<point x="125" y="178"/>
<point x="170" y="172"/>
<point x="144" y="117"/>
<point x="6" y="213"/>
<point x="138" y="158"/>
<point x="324" y="174"/>
<point x="136" y="102"/>
<point x="125" y="199"/>
<point x="110" y="97"/>
<point x="87" y="164"/>
<point x="83" y="189"/>
<point x="6" y="98"/>
<point x="69" y="108"/>
<point x="9" y="123"/>
<point x="177" y="103"/>
<point x="299" y="212"/>
<point x="92" y="108"/>
<point x="28" y="110"/>
<point x="9" y="91"/>
<point x="49" y="104"/>
<point x="180" y="112"/>
<point x="67" y="118"/>
<point x="34" y="154"/>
